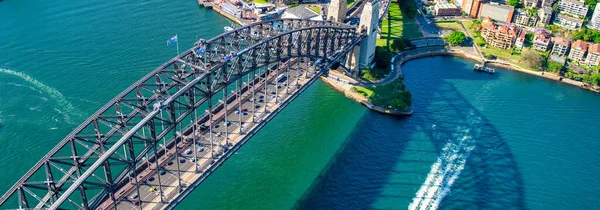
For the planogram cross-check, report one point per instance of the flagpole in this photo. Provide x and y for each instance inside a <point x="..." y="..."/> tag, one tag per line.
<point x="177" y="44"/>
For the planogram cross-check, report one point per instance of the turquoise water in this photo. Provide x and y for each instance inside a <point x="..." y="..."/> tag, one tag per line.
<point x="475" y="141"/>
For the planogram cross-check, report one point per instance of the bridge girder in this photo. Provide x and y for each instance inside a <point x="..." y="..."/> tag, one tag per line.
<point x="89" y="159"/>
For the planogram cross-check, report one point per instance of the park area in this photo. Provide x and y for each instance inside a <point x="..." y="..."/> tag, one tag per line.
<point x="392" y="95"/>
<point x="398" y="26"/>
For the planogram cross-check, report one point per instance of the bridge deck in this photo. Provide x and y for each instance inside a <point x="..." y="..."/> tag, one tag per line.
<point x="149" y="188"/>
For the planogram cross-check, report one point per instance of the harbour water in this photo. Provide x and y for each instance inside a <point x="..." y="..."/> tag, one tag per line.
<point x="475" y="140"/>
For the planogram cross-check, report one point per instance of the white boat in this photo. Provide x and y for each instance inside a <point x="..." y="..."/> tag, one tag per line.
<point x="228" y="29"/>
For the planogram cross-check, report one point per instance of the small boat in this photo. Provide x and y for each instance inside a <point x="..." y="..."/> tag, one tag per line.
<point x="228" y="29"/>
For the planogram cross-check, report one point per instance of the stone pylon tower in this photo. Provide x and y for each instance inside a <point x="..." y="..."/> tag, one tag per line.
<point x="336" y="11"/>
<point x="369" y="19"/>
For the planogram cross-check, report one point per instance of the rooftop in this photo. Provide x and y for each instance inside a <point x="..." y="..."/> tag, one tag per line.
<point x="302" y="12"/>
<point x="594" y="48"/>
<point x="579" y="45"/>
<point x="561" y="41"/>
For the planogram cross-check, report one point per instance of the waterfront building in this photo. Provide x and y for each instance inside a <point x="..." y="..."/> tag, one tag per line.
<point x="444" y="8"/>
<point x="497" y="12"/>
<point x="545" y="15"/>
<point x="541" y="41"/>
<point x="578" y="50"/>
<point x="525" y="18"/>
<point x="498" y="36"/>
<point x="520" y="40"/>
<point x="470" y="7"/>
<point x="561" y="46"/>
<point x="573" y="7"/>
<point x="530" y="3"/>
<point x="593" y="57"/>
<point x="594" y="22"/>
<point x="301" y="12"/>
<point x="229" y="8"/>
<point x="566" y="21"/>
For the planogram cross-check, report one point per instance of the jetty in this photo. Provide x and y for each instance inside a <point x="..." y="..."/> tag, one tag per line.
<point x="483" y="68"/>
<point x="205" y="3"/>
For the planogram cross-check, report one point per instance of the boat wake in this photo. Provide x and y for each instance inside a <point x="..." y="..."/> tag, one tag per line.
<point x="447" y="167"/>
<point x="52" y="92"/>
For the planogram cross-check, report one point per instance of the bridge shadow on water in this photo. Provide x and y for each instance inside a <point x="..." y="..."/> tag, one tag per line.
<point x="466" y="164"/>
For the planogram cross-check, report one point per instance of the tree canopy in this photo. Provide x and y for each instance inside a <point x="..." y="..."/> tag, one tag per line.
<point x="533" y="59"/>
<point x="382" y="57"/>
<point x="456" y="38"/>
<point x="587" y="35"/>
<point x="514" y="3"/>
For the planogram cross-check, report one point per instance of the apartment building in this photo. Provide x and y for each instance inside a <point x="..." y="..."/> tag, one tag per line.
<point x="593" y="56"/>
<point x="594" y="22"/>
<point x="471" y="7"/>
<point x="520" y="40"/>
<point x="545" y="15"/>
<point x="561" y="46"/>
<point x="578" y="51"/>
<point x="498" y="36"/>
<point x="541" y="41"/>
<point x="568" y="22"/>
<point x="547" y="3"/>
<point x="573" y="7"/>
<point x="524" y="18"/>
<point x="530" y="3"/>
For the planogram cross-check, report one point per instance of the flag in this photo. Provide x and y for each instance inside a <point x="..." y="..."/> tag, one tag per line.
<point x="200" y="50"/>
<point x="172" y="40"/>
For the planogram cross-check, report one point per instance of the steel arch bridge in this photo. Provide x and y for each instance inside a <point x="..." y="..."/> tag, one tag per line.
<point x="156" y="117"/>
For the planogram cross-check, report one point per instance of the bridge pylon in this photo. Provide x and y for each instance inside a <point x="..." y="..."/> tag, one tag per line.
<point x="369" y="20"/>
<point x="336" y="11"/>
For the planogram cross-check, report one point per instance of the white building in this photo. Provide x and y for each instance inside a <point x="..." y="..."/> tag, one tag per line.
<point x="568" y="22"/>
<point x="594" y="22"/>
<point x="573" y="7"/>
<point x="301" y="12"/>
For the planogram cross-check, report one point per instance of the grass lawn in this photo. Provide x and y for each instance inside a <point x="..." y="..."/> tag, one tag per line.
<point x="397" y="26"/>
<point x="363" y="91"/>
<point x="315" y="8"/>
<point x="382" y="95"/>
<point x="350" y="3"/>
<point x="454" y="26"/>
<point x="501" y="53"/>
<point x="260" y="1"/>
<point x="472" y="32"/>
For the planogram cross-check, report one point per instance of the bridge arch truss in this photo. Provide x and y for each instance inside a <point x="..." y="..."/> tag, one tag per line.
<point x="128" y="134"/>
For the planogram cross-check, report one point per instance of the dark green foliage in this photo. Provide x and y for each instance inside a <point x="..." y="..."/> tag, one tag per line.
<point x="401" y="44"/>
<point x="533" y="59"/>
<point x="408" y="7"/>
<point x="514" y="3"/>
<point x="382" y="57"/>
<point x="554" y="66"/>
<point x="587" y="35"/>
<point x="456" y="38"/>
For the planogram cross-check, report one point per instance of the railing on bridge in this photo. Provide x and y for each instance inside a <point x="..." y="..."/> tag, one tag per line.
<point x="121" y="140"/>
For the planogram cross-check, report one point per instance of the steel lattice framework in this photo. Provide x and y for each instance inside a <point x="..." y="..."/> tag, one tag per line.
<point x="113" y="144"/>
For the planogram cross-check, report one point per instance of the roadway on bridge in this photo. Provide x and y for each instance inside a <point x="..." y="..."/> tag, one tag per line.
<point x="276" y="92"/>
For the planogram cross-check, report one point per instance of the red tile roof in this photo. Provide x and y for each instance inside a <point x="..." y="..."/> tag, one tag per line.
<point x="579" y="45"/>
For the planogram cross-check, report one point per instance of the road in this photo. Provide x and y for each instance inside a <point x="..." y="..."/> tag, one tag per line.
<point x="259" y="103"/>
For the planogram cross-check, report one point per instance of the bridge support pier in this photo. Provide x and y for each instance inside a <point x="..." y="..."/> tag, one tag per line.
<point x="337" y="10"/>
<point x="369" y="20"/>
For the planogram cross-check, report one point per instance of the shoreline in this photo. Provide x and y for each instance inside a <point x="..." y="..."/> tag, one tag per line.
<point x="344" y="86"/>
<point x="506" y="65"/>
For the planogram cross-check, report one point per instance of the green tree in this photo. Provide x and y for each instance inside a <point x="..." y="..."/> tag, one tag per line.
<point x="456" y="38"/>
<point x="532" y="59"/>
<point x="513" y="3"/>
<point x="382" y="57"/>
<point x="554" y="66"/>
<point x="400" y="44"/>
